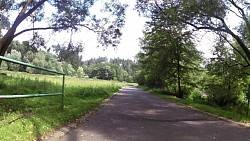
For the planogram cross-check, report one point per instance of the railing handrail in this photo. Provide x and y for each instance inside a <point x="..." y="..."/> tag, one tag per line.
<point x="29" y="65"/>
<point x="27" y="95"/>
<point x="34" y="95"/>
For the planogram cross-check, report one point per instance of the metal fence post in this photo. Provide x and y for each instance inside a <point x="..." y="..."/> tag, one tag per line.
<point x="63" y="91"/>
<point x="33" y="95"/>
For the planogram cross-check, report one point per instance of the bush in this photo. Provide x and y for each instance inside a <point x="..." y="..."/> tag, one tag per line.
<point x="196" y="95"/>
<point x="79" y="72"/>
<point x="223" y="97"/>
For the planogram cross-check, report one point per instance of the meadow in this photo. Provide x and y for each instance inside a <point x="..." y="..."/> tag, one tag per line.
<point x="30" y="118"/>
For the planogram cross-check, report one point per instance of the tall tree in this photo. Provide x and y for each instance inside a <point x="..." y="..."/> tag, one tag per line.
<point x="170" y="56"/>
<point x="68" y="15"/>
<point x="225" y="84"/>
<point x="70" y="53"/>
<point x="169" y="61"/>
<point x="207" y="15"/>
<point x="102" y="71"/>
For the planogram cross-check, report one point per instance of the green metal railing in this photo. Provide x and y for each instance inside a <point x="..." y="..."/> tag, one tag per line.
<point x="34" y="95"/>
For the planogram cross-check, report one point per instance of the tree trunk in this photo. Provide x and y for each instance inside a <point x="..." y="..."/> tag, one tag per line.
<point x="9" y="36"/>
<point x="6" y="40"/>
<point x="180" y="94"/>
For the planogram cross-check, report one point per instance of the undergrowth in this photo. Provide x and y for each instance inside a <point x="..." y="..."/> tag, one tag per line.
<point x="30" y="118"/>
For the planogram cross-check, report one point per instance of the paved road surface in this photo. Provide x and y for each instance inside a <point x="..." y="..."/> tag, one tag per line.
<point x="134" y="115"/>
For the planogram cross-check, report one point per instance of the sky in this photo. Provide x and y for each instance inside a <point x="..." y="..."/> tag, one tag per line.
<point x="127" y="49"/>
<point x="205" y="40"/>
<point x="129" y="45"/>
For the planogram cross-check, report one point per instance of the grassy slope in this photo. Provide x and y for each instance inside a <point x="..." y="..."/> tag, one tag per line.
<point x="213" y="110"/>
<point x="27" y="119"/>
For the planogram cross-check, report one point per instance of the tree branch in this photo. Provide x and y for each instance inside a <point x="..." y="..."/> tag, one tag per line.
<point x="241" y="43"/>
<point x="41" y="28"/>
<point x="223" y="28"/>
<point x="227" y="30"/>
<point x="53" y="28"/>
<point x="34" y="8"/>
<point x="236" y="6"/>
<point x="244" y="17"/>
<point x="25" y="7"/>
<point x="235" y="49"/>
<point x="234" y="13"/>
<point x="91" y="29"/>
<point x="205" y="27"/>
<point x="22" y="15"/>
<point x="160" y="8"/>
<point x="235" y="65"/>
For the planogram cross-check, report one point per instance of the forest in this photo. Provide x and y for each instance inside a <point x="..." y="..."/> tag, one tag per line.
<point x="67" y="59"/>
<point x="169" y="60"/>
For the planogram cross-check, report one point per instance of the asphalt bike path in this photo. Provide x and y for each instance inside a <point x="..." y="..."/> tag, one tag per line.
<point x="135" y="115"/>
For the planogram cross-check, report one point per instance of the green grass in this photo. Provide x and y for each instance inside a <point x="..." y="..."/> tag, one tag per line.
<point x="28" y="119"/>
<point x="217" y="111"/>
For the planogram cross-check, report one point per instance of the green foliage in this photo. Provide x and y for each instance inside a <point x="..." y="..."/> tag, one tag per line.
<point x="226" y="81"/>
<point x="16" y="55"/>
<point x="70" y="54"/>
<point x="68" y="69"/>
<point x="6" y="7"/>
<point x="66" y="15"/>
<point x="80" y="72"/>
<point x="116" y="69"/>
<point x="209" y="15"/>
<point x="29" y="57"/>
<point x="169" y="58"/>
<point x="225" y="77"/>
<point x="102" y="71"/>
<point x="196" y="95"/>
<point x="28" y="119"/>
<point x="233" y="114"/>
<point x="101" y="68"/>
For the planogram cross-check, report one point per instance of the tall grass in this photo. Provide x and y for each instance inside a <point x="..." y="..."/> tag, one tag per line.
<point x="29" y="118"/>
<point x="216" y="111"/>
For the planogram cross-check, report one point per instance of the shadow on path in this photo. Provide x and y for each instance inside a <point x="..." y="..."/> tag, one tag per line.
<point x="135" y="115"/>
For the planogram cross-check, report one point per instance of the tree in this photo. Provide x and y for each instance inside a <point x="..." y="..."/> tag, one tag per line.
<point x="68" y="69"/>
<point x="102" y="71"/>
<point x="207" y="15"/>
<point x="125" y="69"/>
<point x="39" y="60"/>
<point x="16" y="55"/>
<point x="70" y="54"/>
<point x="68" y="15"/>
<point x="36" y="43"/>
<point x="170" y="57"/>
<point x="80" y="72"/>
<point x="121" y="69"/>
<point x="225" y="82"/>
<point x="58" y="66"/>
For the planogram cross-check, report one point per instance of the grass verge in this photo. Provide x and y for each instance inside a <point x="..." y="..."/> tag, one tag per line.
<point x="216" y="111"/>
<point x="30" y="118"/>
